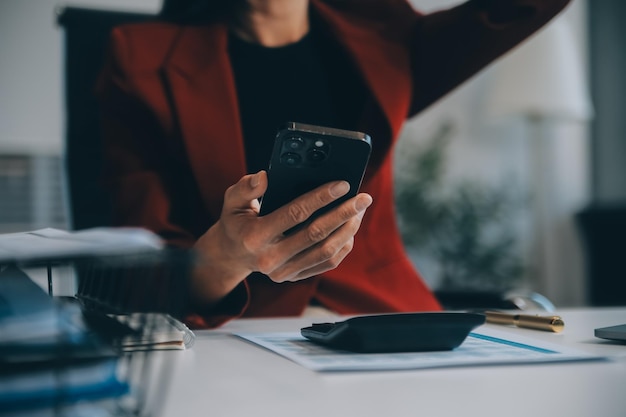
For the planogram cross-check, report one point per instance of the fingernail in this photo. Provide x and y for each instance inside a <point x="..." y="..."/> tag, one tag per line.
<point x="363" y="202"/>
<point x="339" y="189"/>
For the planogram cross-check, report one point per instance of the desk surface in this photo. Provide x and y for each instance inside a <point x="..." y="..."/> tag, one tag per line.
<point x="225" y="376"/>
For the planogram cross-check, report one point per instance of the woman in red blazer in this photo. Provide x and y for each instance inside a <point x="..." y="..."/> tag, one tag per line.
<point x="174" y="121"/>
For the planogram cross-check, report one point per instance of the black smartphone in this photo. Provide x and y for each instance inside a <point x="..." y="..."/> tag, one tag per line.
<point x="307" y="156"/>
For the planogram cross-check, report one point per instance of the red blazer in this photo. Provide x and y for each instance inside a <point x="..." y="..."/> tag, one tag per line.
<point x="174" y="140"/>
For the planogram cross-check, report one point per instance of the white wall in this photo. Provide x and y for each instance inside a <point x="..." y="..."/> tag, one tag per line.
<point x="490" y="151"/>
<point x="31" y="81"/>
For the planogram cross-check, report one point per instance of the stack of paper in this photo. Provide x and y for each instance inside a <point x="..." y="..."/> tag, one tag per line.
<point x="50" y="244"/>
<point x="155" y="331"/>
<point x="141" y="331"/>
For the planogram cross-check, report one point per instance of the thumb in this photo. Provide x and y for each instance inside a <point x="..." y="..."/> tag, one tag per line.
<point x="244" y="193"/>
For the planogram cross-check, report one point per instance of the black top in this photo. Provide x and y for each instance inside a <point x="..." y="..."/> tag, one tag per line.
<point x="310" y="81"/>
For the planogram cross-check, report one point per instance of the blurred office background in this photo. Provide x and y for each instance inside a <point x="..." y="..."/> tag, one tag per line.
<point x="540" y="129"/>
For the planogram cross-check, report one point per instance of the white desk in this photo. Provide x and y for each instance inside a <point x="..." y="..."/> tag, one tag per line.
<point x="225" y="376"/>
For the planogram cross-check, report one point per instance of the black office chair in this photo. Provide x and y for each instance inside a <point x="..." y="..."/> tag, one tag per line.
<point x="602" y="228"/>
<point x="86" y="36"/>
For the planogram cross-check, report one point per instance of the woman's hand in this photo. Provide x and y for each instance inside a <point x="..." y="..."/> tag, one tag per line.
<point x="241" y="242"/>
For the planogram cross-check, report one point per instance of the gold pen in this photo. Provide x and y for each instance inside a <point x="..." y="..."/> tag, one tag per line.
<point x="548" y="323"/>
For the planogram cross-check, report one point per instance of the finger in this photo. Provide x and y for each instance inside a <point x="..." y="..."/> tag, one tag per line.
<point x="243" y="195"/>
<point x="300" y="209"/>
<point x="325" y="266"/>
<point x="325" y="254"/>
<point x="285" y="256"/>
<point x="295" y="274"/>
<point x="284" y="248"/>
<point x="327" y="224"/>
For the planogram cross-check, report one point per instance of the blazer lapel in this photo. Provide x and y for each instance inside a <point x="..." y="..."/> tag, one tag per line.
<point x="203" y="91"/>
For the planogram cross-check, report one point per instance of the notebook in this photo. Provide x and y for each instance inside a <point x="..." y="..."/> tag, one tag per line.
<point x="612" y="332"/>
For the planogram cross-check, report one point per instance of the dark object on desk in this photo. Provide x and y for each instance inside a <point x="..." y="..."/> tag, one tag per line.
<point x="86" y="38"/>
<point x="21" y="298"/>
<point x="49" y="358"/>
<point x="612" y="333"/>
<point x="403" y="332"/>
<point x="37" y="328"/>
<point x="602" y="228"/>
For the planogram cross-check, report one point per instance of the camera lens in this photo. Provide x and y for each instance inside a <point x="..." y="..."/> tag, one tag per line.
<point x="316" y="155"/>
<point x="294" y="143"/>
<point x="290" y="158"/>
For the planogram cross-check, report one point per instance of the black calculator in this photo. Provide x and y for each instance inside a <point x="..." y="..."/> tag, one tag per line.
<point x="397" y="332"/>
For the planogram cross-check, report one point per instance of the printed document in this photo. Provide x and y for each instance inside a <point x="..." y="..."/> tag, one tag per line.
<point x="487" y="347"/>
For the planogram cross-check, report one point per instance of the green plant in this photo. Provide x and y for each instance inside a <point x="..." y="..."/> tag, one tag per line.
<point x="466" y="230"/>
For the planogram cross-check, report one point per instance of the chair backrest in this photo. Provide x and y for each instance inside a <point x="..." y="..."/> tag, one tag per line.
<point x="86" y="36"/>
<point x="602" y="228"/>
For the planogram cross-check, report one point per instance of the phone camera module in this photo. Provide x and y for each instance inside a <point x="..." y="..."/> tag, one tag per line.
<point x="290" y="158"/>
<point x="294" y="143"/>
<point x="316" y="155"/>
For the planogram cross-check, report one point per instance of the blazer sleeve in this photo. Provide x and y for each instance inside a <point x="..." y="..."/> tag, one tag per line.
<point x="450" y="46"/>
<point x="141" y="166"/>
<point x="137" y="168"/>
